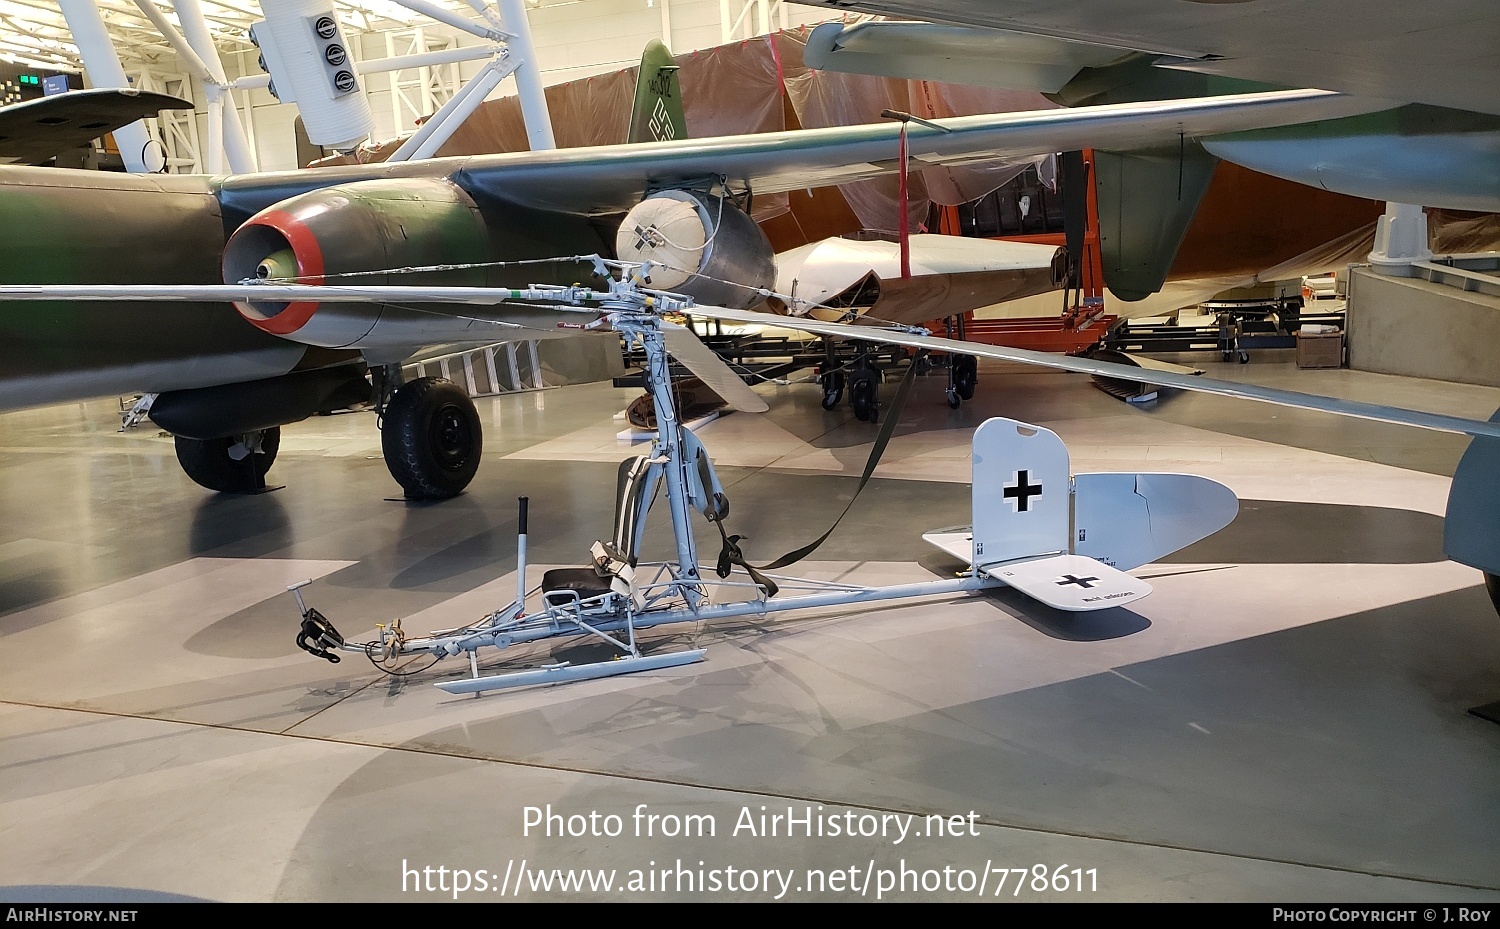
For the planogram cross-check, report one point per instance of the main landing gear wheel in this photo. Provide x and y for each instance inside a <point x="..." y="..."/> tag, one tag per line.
<point x="965" y="376"/>
<point x="431" y="438"/>
<point x="863" y="396"/>
<point x="231" y="465"/>
<point x="833" y="388"/>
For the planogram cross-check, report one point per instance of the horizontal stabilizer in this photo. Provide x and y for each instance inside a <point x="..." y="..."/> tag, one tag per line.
<point x="1071" y="582"/>
<point x="1128" y="520"/>
<point x="1065" y="582"/>
<point x="958" y="542"/>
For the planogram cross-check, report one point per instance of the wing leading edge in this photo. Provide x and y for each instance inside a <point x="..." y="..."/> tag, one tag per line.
<point x="612" y="178"/>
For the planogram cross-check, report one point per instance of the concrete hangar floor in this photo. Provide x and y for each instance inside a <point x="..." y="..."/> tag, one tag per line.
<point x="1284" y="719"/>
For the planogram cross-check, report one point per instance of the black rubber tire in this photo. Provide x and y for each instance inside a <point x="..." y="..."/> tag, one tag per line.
<point x="431" y="438"/>
<point x="965" y="376"/>
<point x="954" y="400"/>
<point x="833" y="388"/>
<point x="863" y="398"/>
<point x="1244" y="357"/>
<point x="207" y="462"/>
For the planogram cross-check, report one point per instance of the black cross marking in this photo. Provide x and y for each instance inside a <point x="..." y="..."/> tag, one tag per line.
<point x="1080" y="581"/>
<point x="1023" y="491"/>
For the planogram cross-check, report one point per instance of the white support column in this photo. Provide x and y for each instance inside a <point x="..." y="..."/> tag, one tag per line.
<point x="239" y="154"/>
<point x="528" y="76"/>
<point x="753" y="15"/>
<point x="245" y="115"/>
<point x="431" y="135"/>
<point x="175" y="130"/>
<point x="1400" y="238"/>
<point x="444" y="15"/>
<point x="104" y="70"/>
<point x="227" y="142"/>
<point x="400" y="103"/>
<point x="215" y="155"/>
<point x="434" y="59"/>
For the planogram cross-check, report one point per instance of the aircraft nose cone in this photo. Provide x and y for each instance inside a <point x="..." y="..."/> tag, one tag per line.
<point x="279" y="266"/>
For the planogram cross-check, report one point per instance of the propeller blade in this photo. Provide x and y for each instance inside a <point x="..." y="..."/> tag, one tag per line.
<point x="698" y="358"/>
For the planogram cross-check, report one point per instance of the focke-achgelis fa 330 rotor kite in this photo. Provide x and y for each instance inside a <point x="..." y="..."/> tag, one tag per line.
<point x="1065" y="540"/>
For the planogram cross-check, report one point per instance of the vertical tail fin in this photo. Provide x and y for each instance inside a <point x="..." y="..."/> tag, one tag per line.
<point x="658" y="114"/>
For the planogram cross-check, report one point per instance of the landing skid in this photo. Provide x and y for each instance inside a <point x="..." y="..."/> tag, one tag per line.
<point x="616" y="597"/>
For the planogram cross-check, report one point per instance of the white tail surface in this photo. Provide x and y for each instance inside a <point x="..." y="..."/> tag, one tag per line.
<point x="1067" y="540"/>
<point x="1020" y="492"/>
<point x="1127" y="520"/>
<point x="1071" y="582"/>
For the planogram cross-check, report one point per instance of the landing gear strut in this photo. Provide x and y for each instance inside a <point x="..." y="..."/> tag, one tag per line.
<point x="431" y="438"/>
<point x="864" y="394"/>
<point x="230" y="465"/>
<point x="963" y="370"/>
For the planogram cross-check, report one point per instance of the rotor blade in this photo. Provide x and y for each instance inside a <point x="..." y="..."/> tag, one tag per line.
<point x="490" y="296"/>
<point x="698" y="358"/>
<point x="1292" y="398"/>
<point x="274" y="293"/>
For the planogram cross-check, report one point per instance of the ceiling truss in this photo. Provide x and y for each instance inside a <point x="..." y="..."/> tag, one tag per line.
<point x="34" y="31"/>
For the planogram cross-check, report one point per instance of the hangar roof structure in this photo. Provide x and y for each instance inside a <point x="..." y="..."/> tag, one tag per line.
<point x="34" y="31"/>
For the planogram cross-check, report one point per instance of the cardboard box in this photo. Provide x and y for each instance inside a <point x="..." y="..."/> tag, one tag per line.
<point x="1324" y="350"/>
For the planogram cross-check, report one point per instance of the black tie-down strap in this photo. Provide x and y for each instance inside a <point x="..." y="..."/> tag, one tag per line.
<point x="731" y="555"/>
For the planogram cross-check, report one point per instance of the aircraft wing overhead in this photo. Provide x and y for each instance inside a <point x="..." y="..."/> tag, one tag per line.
<point x="613" y="178"/>
<point x="1441" y="54"/>
<point x="37" y="130"/>
<point x="958" y="54"/>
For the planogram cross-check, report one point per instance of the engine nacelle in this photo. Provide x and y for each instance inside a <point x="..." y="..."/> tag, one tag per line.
<point x="702" y="246"/>
<point x="358" y="231"/>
